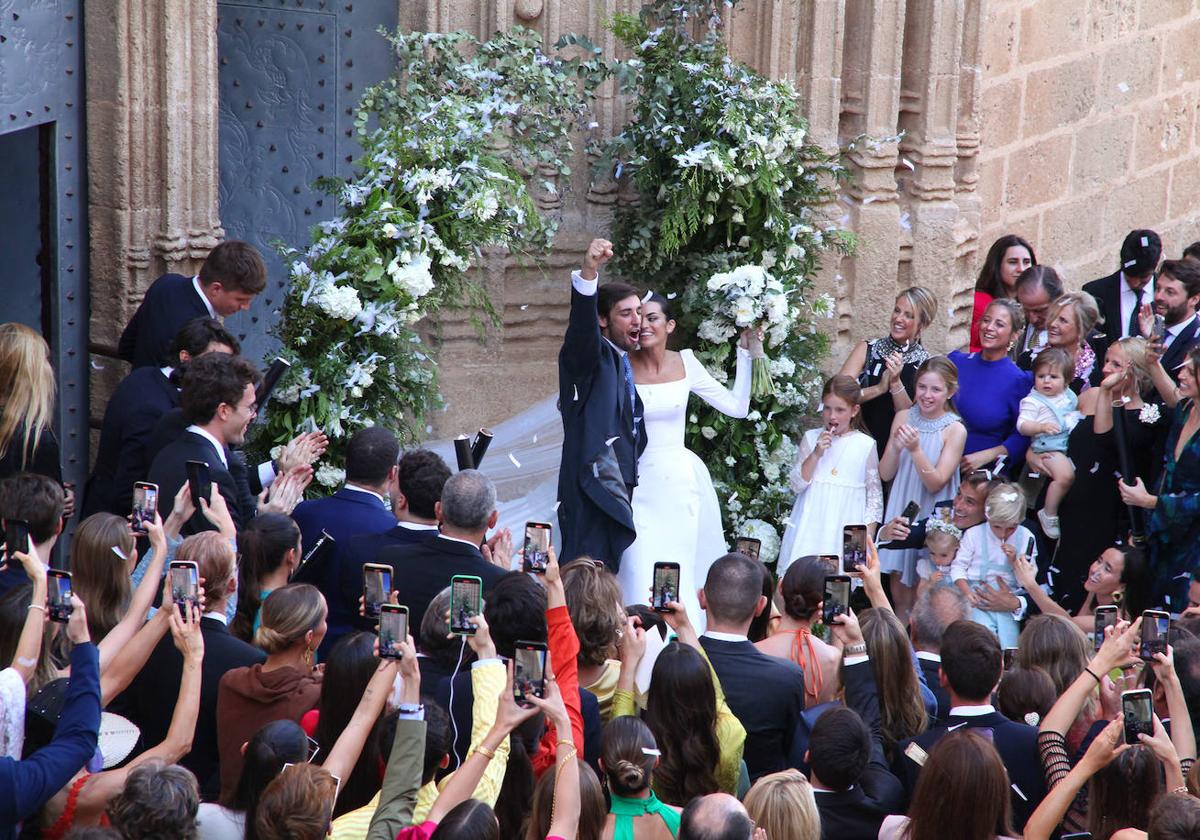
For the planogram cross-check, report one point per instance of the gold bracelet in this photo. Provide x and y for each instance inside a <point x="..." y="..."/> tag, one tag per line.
<point x="566" y="741"/>
<point x="485" y="752"/>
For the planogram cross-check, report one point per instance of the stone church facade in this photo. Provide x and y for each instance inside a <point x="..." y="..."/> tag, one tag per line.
<point x="1067" y="121"/>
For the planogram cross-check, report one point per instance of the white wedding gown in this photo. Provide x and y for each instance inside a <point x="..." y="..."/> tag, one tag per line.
<point x="675" y="509"/>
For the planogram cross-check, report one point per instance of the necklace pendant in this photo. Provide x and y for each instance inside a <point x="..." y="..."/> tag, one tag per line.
<point x="833" y="471"/>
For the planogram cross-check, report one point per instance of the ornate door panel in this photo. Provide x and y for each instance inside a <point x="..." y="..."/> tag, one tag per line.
<point x="43" y="253"/>
<point x="291" y="72"/>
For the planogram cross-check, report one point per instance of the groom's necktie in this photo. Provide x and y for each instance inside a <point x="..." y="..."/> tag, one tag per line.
<point x="630" y="389"/>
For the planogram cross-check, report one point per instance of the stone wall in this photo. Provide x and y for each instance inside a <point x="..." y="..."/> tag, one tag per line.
<point x="1069" y="121"/>
<point x="1089" y="127"/>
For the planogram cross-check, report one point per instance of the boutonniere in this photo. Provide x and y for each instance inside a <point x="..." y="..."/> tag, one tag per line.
<point x="1149" y="413"/>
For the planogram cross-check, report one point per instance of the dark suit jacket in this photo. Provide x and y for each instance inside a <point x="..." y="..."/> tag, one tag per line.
<point x="600" y="447"/>
<point x="149" y="701"/>
<point x="170" y="302"/>
<point x="767" y="696"/>
<point x="348" y="564"/>
<point x="421" y="570"/>
<point x="931" y="669"/>
<point x="1107" y="292"/>
<point x="169" y="472"/>
<point x="172" y="424"/>
<point x="1016" y="743"/>
<point x="1177" y="353"/>
<point x="858" y="812"/>
<point x="130" y="418"/>
<point x="45" y="459"/>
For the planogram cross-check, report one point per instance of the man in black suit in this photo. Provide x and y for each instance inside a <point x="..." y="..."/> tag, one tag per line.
<point x="603" y="432"/>
<point x="415" y="493"/>
<point x="936" y="608"/>
<point x="971" y="667"/>
<point x="217" y="399"/>
<point x="853" y="785"/>
<point x="231" y="276"/>
<point x="766" y="694"/>
<point x="133" y="412"/>
<point x="420" y="571"/>
<point x="1037" y="287"/>
<point x="1176" y="297"/>
<point x="1121" y="294"/>
<point x="149" y="701"/>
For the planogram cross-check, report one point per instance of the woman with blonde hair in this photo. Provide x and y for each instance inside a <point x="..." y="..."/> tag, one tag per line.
<point x="284" y="687"/>
<point x="1068" y="322"/>
<point x="27" y="395"/>
<point x="886" y="368"/>
<point x="782" y="804"/>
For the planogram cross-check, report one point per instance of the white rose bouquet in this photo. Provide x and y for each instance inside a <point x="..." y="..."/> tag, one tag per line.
<point x="748" y="296"/>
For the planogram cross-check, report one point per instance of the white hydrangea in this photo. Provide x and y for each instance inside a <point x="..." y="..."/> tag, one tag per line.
<point x="714" y="330"/>
<point x="708" y="432"/>
<point x="415" y="277"/>
<point x="483" y="205"/>
<point x="338" y="302"/>
<point x="330" y="476"/>
<point x="391" y="231"/>
<point x="782" y="368"/>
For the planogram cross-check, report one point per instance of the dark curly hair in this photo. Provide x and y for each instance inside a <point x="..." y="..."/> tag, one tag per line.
<point x="681" y="711"/>
<point x="421" y="477"/>
<point x="213" y="379"/>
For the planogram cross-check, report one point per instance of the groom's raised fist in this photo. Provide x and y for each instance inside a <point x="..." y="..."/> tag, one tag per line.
<point x="598" y="253"/>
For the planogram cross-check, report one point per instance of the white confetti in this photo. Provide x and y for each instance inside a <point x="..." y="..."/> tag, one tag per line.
<point x="672" y="295"/>
<point x="595" y="470"/>
<point x="96" y="365"/>
<point x="1095" y="468"/>
<point x="1121" y="86"/>
<point x="524" y="306"/>
<point x="429" y="430"/>
<point x="609" y="442"/>
<point x="904" y="221"/>
<point x="732" y="498"/>
<point x="576" y="387"/>
<point x="909" y="164"/>
<point x="1145" y="242"/>
<point x="555" y="508"/>
<point x="870" y="199"/>
<point x="535" y="438"/>
<point x="514" y="460"/>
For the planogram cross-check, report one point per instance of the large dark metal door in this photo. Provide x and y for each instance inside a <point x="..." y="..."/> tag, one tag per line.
<point x="291" y="74"/>
<point x="43" y="245"/>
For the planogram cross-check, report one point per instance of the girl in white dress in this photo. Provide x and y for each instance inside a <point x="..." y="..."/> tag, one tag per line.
<point x="836" y="477"/>
<point x="675" y="509"/>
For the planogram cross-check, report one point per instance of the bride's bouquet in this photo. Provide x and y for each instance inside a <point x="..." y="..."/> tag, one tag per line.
<point x="747" y="296"/>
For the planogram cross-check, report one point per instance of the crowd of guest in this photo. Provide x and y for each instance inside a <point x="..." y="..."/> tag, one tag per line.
<point x="1030" y="508"/>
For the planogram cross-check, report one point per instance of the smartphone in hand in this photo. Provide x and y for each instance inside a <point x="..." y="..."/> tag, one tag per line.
<point x="1105" y="616"/>
<point x="393" y="630"/>
<point x="58" y="595"/>
<point x="854" y="548"/>
<point x="16" y="538"/>
<point x="538" y="536"/>
<point x="466" y="602"/>
<point x="666" y="586"/>
<point x="1137" y="708"/>
<point x="1155" y="626"/>
<point x="145" y="504"/>
<point x="837" y="598"/>
<point x="199" y="481"/>
<point x="185" y="584"/>
<point x="377" y="586"/>
<point x="529" y="671"/>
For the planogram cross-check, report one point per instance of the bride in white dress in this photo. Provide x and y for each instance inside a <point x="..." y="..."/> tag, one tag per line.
<point x="675" y="508"/>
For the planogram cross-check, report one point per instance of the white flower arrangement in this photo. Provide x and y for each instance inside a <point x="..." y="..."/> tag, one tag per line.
<point x="338" y="302"/>
<point x="329" y="476"/>
<point x="1149" y="414"/>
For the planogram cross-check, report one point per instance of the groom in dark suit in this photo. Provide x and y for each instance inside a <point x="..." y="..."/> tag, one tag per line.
<point x="603" y="432"/>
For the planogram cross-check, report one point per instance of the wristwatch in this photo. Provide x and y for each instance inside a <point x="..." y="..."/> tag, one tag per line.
<point x="855" y="650"/>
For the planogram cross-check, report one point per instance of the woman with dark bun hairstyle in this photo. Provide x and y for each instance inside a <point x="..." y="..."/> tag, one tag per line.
<point x="628" y="758"/>
<point x="800" y="595"/>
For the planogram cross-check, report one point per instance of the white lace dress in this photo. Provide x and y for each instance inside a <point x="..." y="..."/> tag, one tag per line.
<point x="845" y="490"/>
<point x="675" y="508"/>
<point x="12" y="713"/>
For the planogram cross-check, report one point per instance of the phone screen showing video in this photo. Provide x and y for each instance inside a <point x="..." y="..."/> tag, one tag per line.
<point x="1105" y="617"/>
<point x="837" y="597"/>
<point x="666" y="586"/>
<point x="529" y="672"/>
<point x="1155" y="626"/>
<point x="58" y="595"/>
<point x="854" y="547"/>
<point x="465" y="597"/>
<point x="537" y="546"/>
<point x="377" y="584"/>
<point x="393" y="630"/>
<point x="185" y="584"/>
<point x="1138" y="710"/>
<point x="145" y="504"/>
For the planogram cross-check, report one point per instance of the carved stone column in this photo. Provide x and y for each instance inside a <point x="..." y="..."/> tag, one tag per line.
<point x="152" y="156"/>
<point x="874" y="35"/>
<point x="929" y="117"/>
